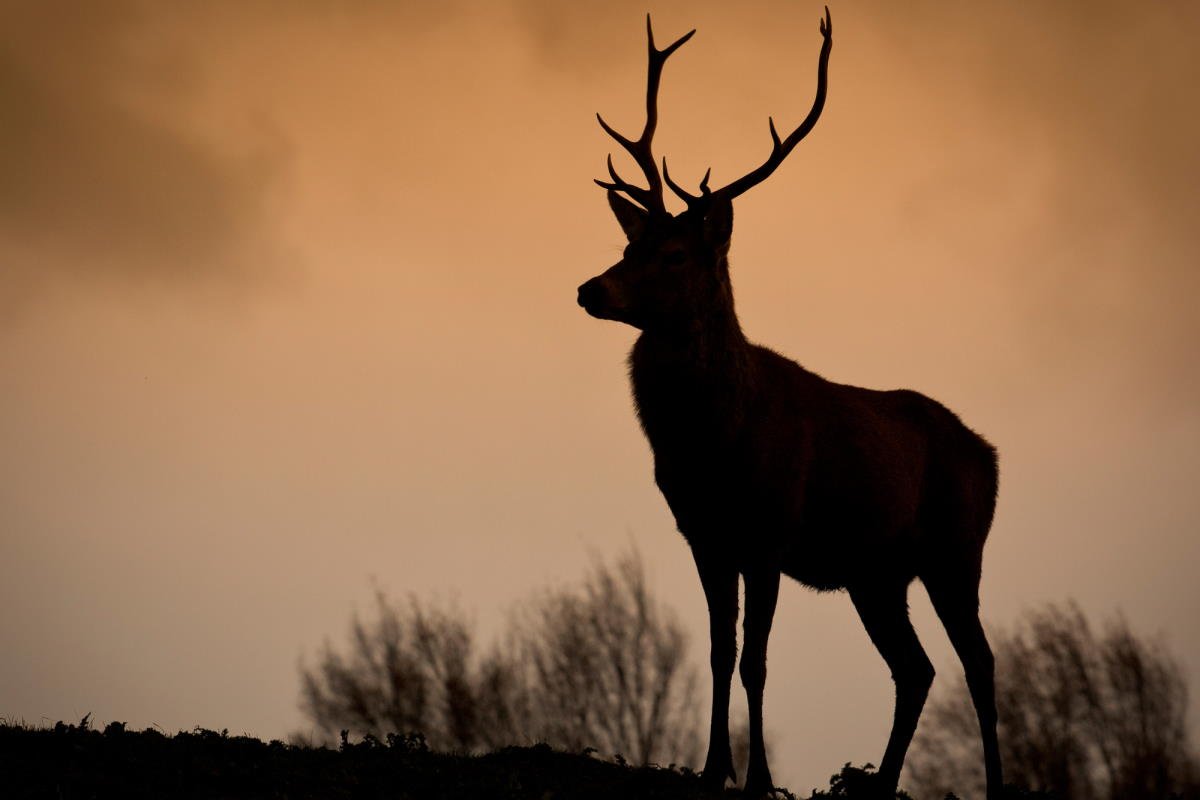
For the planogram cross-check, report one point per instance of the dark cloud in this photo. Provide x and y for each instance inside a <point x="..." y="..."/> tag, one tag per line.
<point x="1112" y="89"/>
<point x="101" y="174"/>
<point x="104" y="174"/>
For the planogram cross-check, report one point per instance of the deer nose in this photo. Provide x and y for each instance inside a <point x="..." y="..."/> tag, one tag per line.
<point x="591" y="295"/>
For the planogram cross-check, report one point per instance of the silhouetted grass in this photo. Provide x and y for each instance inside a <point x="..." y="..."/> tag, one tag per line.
<point x="76" y="761"/>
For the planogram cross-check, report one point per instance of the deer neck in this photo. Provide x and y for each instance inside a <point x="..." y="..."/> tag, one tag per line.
<point x="706" y="346"/>
<point x="701" y="370"/>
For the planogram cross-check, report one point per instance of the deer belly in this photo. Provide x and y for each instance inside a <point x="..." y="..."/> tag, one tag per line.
<point x="716" y="507"/>
<point x="852" y="534"/>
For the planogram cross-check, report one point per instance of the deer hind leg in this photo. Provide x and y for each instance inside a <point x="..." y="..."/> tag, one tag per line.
<point x="957" y="605"/>
<point x="884" y="612"/>
<point x="720" y="581"/>
<point x="762" y="592"/>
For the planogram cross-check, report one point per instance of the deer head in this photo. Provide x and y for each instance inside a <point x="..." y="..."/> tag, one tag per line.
<point x="674" y="270"/>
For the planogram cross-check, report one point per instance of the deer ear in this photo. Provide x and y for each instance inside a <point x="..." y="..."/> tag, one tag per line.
<point x="718" y="222"/>
<point x="631" y="217"/>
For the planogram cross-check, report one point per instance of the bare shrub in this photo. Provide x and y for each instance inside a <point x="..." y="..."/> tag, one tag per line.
<point x="603" y="665"/>
<point x="410" y="669"/>
<point x="607" y="667"/>
<point x="1081" y="715"/>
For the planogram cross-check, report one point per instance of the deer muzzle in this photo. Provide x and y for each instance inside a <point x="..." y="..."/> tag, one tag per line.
<point x="596" y="298"/>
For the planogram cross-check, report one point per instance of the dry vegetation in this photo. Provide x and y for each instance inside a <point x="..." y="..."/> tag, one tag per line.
<point x="76" y="761"/>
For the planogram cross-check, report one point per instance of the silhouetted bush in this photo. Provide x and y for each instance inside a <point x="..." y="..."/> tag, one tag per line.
<point x="1084" y="716"/>
<point x="602" y="666"/>
<point x="606" y="666"/>
<point x="411" y="669"/>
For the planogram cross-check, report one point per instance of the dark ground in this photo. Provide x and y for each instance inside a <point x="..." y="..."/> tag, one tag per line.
<point x="75" y="761"/>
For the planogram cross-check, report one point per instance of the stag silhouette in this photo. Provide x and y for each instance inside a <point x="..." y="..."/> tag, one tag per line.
<point x="770" y="469"/>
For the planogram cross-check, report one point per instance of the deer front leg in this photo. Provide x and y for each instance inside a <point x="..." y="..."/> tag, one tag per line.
<point x="720" y="581"/>
<point x="762" y="591"/>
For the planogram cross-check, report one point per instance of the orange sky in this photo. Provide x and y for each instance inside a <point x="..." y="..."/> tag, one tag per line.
<point x="287" y="304"/>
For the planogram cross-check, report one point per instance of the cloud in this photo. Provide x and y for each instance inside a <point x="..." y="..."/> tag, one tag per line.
<point x="129" y="156"/>
<point x="103" y="174"/>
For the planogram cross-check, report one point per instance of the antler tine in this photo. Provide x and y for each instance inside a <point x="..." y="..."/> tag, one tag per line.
<point x="781" y="148"/>
<point x="618" y="184"/>
<point x="652" y="198"/>
<point x="687" y="197"/>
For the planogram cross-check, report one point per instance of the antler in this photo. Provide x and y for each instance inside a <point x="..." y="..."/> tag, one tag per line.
<point x="685" y="196"/>
<point x="652" y="198"/>
<point x="780" y="148"/>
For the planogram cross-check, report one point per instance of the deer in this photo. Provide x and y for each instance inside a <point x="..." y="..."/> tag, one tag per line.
<point x="770" y="469"/>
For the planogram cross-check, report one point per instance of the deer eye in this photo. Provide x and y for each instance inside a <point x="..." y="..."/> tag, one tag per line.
<point x="674" y="258"/>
